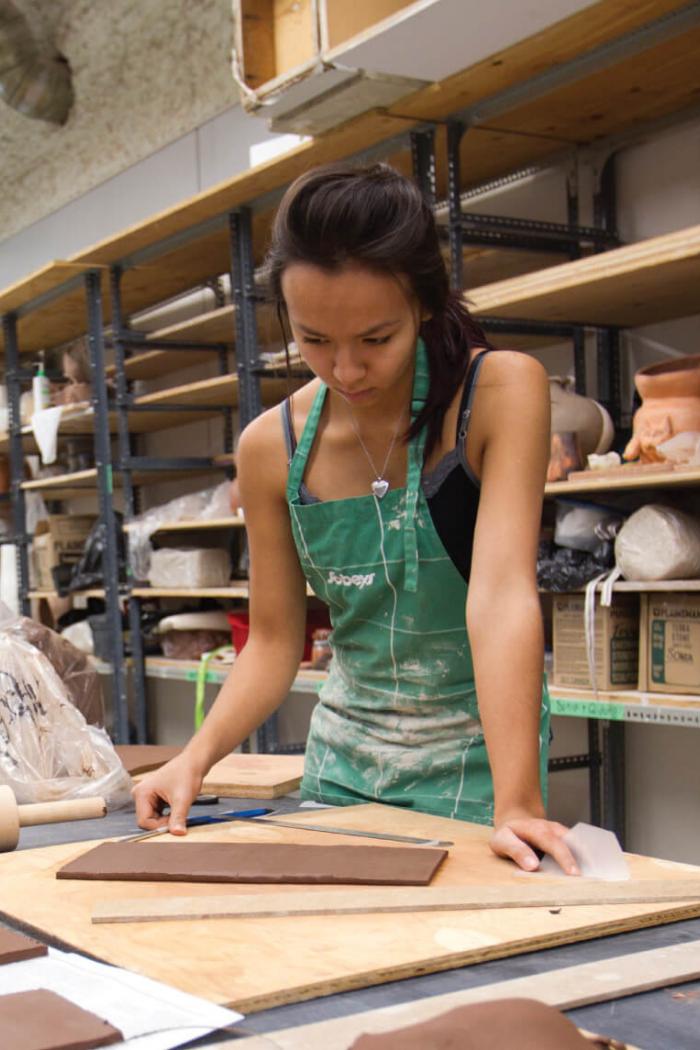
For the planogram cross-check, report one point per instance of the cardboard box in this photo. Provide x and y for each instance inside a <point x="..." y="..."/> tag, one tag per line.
<point x="670" y="650"/>
<point x="616" y="642"/>
<point x="58" y="538"/>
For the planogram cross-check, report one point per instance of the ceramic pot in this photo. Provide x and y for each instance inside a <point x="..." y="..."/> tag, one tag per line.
<point x="670" y="393"/>
<point x="574" y="414"/>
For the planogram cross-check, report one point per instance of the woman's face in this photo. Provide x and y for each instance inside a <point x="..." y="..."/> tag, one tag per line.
<point x="355" y="328"/>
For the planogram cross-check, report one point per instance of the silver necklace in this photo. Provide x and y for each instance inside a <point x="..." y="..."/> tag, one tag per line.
<point x="380" y="486"/>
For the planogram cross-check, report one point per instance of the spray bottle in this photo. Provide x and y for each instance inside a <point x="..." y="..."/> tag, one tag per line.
<point x="41" y="391"/>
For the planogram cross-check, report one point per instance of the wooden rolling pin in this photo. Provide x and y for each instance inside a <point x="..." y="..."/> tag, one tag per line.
<point x="14" y="817"/>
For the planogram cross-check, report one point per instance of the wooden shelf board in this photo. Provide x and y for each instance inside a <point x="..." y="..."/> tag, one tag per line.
<point x="196" y="526"/>
<point x="239" y="590"/>
<point x="93" y="592"/>
<point x="83" y="482"/>
<point x="656" y="480"/>
<point x="625" y="696"/>
<point x="642" y="283"/>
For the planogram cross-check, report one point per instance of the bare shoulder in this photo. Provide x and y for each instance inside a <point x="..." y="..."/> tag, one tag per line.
<point x="513" y="371"/>
<point x="513" y="389"/>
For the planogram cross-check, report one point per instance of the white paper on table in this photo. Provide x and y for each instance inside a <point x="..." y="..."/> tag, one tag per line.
<point x="596" y="851"/>
<point x="45" y="425"/>
<point x="151" y="1015"/>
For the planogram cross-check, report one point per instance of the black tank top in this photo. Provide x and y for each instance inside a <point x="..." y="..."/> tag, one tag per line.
<point x="451" y="489"/>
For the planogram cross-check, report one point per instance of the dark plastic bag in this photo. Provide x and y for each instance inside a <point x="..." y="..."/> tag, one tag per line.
<point x="562" y="569"/>
<point x="89" y="571"/>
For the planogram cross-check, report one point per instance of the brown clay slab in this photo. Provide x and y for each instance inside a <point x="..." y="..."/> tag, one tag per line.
<point x="256" y="862"/>
<point x="16" y="946"/>
<point x="42" y="1020"/>
<point x="141" y="758"/>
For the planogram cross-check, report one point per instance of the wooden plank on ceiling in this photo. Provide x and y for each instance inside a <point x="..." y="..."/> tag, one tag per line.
<point x="652" y="280"/>
<point x="590" y="28"/>
<point x="644" y="87"/>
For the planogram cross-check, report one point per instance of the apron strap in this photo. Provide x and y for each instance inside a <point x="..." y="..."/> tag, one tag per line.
<point x="295" y="475"/>
<point x="416" y="448"/>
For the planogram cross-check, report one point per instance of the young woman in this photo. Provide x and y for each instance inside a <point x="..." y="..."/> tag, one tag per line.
<point x="404" y="483"/>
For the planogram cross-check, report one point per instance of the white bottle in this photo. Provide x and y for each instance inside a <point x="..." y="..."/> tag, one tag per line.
<point x="41" y="391"/>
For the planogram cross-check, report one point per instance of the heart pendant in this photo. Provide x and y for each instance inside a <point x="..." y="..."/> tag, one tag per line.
<point x="380" y="487"/>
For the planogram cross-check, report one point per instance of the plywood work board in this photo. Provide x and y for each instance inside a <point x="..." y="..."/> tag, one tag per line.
<point x="241" y="776"/>
<point x="263" y="962"/>
<point x="255" y="776"/>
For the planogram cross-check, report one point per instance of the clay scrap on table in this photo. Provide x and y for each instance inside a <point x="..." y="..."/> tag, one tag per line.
<point x="524" y="1023"/>
<point x="42" y="1020"/>
<point x="16" y="946"/>
<point x="256" y="862"/>
<point x="142" y="758"/>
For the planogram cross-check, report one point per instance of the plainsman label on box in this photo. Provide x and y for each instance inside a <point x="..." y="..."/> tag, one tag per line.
<point x="674" y="643"/>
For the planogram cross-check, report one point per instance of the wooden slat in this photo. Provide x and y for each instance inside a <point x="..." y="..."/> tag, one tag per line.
<point x="652" y="280"/>
<point x="398" y="900"/>
<point x="564" y="989"/>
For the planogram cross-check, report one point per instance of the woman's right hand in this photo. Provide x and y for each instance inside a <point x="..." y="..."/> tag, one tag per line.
<point x="175" y="784"/>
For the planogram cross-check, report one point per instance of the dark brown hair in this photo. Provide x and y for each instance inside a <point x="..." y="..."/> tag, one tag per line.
<point x="376" y="217"/>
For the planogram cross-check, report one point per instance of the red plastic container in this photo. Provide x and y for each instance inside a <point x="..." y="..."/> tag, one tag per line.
<point x="240" y="625"/>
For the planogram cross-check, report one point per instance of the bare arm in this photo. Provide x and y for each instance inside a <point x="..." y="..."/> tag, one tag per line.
<point x="503" y="612"/>
<point x="263" y="673"/>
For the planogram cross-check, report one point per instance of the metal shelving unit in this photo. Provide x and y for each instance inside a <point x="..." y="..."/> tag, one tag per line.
<point x="499" y="136"/>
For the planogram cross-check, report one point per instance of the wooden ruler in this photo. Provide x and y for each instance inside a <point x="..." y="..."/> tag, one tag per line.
<point x="566" y="989"/>
<point x="399" y="899"/>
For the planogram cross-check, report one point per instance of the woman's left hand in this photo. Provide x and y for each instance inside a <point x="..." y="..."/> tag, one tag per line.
<point x="519" y="836"/>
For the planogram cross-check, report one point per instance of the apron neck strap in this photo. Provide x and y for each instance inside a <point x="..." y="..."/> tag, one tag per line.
<point x="416" y="448"/>
<point x="295" y="475"/>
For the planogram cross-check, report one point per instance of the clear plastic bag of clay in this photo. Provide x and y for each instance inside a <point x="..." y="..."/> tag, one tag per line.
<point x="47" y="749"/>
<point x="206" y="505"/>
<point x="586" y="526"/>
<point x="659" y="543"/>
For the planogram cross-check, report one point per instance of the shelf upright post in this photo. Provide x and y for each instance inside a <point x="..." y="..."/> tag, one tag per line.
<point x="19" y="515"/>
<point x="594" y="763"/>
<point x="423" y="163"/>
<point x="608" y="339"/>
<point x="614" y="779"/>
<point x="455" y="131"/>
<point x="249" y="399"/>
<point x="579" y="335"/>
<point x="138" y="676"/>
<point x="243" y="293"/>
<point x="103" y="462"/>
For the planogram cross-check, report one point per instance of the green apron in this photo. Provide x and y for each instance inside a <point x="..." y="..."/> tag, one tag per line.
<point x="397" y="720"/>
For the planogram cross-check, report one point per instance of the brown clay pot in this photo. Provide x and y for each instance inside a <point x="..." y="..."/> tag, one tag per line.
<point x="670" y="392"/>
<point x="4" y="474"/>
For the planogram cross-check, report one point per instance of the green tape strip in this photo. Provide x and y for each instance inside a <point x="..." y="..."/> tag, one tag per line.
<point x="588" y="709"/>
<point x="202" y="677"/>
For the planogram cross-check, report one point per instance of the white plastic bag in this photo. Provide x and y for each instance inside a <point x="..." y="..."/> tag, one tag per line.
<point x="659" y="543"/>
<point x="206" y="505"/>
<point x="47" y="749"/>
